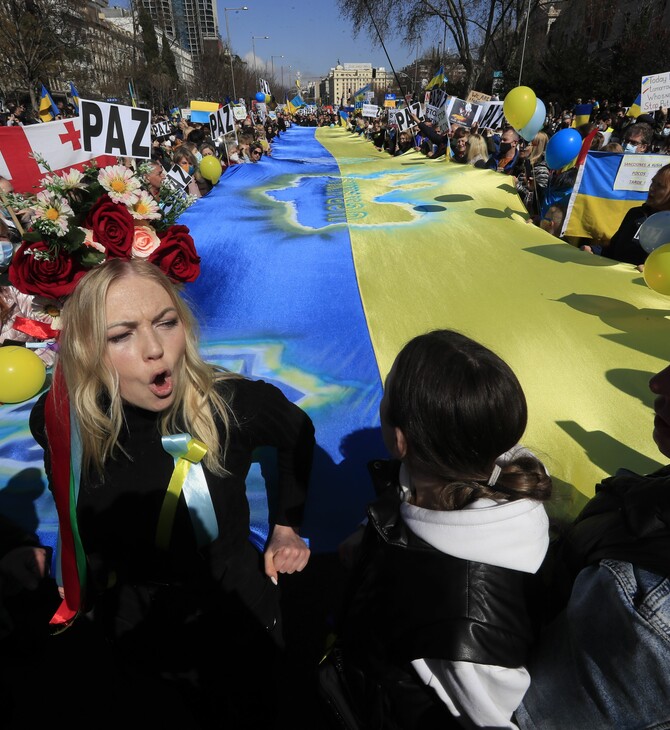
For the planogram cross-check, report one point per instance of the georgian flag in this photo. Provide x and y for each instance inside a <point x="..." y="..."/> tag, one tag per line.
<point x="58" y="142"/>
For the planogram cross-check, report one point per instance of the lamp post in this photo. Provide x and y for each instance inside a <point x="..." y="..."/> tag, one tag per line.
<point x="273" y="63"/>
<point x="230" y="48"/>
<point x="253" y="46"/>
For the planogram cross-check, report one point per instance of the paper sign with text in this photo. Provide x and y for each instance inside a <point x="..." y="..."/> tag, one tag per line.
<point x="114" y="129"/>
<point x="636" y="171"/>
<point x="655" y="92"/>
<point x="161" y="129"/>
<point x="221" y="122"/>
<point x="370" y="110"/>
<point x="403" y="118"/>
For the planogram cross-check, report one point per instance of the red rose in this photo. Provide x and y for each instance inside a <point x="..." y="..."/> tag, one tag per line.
<point x="43" y="277"/>
<point x="112" y="226"/>
<point x="176" y="256"/>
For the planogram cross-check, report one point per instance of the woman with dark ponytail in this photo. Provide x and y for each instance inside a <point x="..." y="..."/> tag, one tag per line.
<point x="438" y="620"/>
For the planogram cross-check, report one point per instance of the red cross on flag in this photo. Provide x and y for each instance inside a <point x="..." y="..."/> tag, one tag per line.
<point x="58" y="142"/>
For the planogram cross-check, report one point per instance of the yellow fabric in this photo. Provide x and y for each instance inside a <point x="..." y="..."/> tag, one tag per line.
<point x="597" y="218"/>
<point x="203" y="106"/>
<point x="583" y="334"/>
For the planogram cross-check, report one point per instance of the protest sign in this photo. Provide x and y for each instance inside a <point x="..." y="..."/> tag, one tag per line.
<point x="114" y="129"/>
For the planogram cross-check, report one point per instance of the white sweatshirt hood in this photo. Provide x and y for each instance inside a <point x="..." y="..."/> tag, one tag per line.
<point x="507" y="534"/>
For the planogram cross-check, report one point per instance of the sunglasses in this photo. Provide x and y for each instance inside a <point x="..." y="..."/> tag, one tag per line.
<point x="255" y="152"/>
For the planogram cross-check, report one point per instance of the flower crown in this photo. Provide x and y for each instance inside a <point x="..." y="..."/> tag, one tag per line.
<point x="80" y="219"/>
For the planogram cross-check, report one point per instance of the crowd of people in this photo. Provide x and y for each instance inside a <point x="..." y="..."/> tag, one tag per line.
<point x="545" y="192"/>
<point x="459" y="611"/>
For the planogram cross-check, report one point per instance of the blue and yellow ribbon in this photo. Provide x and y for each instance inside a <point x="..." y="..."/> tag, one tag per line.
<point x="188" y="477"/>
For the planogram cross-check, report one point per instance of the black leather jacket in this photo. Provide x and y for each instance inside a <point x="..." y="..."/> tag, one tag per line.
<point x="410" y="601"/>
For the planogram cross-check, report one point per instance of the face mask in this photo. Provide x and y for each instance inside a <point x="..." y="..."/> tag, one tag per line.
<point x="235" y="157"/>
<point x="666" y="131"/>
<point x="198" y="156"/>
<point x="191" y="169"/>
<point x="505" y="147"/>
<point x="630" y="147"/>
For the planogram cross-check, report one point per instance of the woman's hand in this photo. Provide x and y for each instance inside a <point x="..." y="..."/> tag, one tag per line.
<point x="286" y="552"/>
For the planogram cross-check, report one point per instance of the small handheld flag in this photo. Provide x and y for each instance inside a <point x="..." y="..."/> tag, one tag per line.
<point x="48" y="109"/>
<point x="75" y="96"/>
<point x="437" y="80"/>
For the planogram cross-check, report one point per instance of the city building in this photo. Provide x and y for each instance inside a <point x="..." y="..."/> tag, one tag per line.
<point x="345" y="79"/>
<point x="193" y="23"/>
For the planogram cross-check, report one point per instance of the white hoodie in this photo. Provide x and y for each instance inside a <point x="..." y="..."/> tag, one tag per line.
<point x="507" y="534"/>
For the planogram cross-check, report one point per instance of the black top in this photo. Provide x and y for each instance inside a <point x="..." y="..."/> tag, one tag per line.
<point x="118" y="510"/>
<point x="625" y="243"/>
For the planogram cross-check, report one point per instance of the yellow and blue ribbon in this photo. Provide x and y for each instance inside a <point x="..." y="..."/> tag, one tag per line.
<point x="188" y="477"/>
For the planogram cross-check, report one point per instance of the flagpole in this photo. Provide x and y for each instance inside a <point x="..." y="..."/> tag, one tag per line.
<point x="523" y="50"/>
<point x="379" y="35"/>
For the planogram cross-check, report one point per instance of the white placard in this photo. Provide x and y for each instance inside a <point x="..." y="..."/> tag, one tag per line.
<point x="370" y="110"/>
<point x="491" y="115"/>
<point x="635" y="171"/>
<point x="431" y="113"/>
<point x="240" y="112"/>
<point x="161" y="129"/>
<point x="655" y="92"/>
<point x="221" y="122"/>
<point x="115" y="129"/>
<point x="177" y="177"/>
<point x="442" y="118"/>
<point x="403" y="118"/>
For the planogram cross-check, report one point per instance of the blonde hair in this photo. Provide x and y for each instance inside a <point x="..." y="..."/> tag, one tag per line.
<point x="539" y="146"/>
<point x="93" y="386"/>
<point x="477" y="147"/>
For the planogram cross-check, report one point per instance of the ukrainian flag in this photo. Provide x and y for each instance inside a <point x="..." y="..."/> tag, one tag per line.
<point x="596" y="209"/>
<point x="75" y="96"/>
<point x="200" y="110"/>
<point x="582" y="114"/>
<point x="437" y="80"/>
<point x="131" y="91"/>
<point x="48" y="109"/>
<point x="635" y="109"/>
<point x="297" y="101"/>
<point x="290" y="108"/>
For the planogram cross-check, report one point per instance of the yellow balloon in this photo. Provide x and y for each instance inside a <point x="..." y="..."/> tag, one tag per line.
<point x="657" y="269"/>
<point x="22" y="374"/>
<point x="519" y="106"/>
<point x="210" y="168"/>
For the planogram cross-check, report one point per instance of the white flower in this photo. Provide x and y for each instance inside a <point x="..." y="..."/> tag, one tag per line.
<point x="48" y="310"/>
<point x="120" y="182"/>
<point x="88" y="240"/>
<point x="71" y="180"/>
<point x="51" y="213"/>
<point x="145" y="207"/>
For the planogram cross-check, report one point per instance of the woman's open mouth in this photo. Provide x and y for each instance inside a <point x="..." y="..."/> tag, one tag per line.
<point x="161" y="384"/>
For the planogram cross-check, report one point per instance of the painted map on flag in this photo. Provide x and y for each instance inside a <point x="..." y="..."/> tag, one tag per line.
<point x="333" y="255"/>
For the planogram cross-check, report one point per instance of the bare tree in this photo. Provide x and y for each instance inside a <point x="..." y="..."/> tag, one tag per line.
<point x="482" y="31"/>
<point x="36" y="38"/>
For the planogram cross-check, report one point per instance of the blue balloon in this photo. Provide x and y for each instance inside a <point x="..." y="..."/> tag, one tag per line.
<point x="563" y="148"/>
<point x="260" y="97"/>
<point x="536" y="122"/>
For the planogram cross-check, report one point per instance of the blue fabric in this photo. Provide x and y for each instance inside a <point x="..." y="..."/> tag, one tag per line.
<point x="278" y="300"/>
<point x="605" y="663"/>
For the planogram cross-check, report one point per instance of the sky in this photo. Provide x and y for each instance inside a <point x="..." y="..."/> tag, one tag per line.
<point x="310" y="34"/>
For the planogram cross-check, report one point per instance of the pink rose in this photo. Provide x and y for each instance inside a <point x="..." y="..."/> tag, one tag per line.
<point x="145" y="241"/>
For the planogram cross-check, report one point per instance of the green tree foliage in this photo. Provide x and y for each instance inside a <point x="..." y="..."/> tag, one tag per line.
<point x="168" y="61"/>
<point x="149" y="39"/>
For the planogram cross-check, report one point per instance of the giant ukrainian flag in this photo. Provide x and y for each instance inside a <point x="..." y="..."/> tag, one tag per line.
<point x="320" y="262"/>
